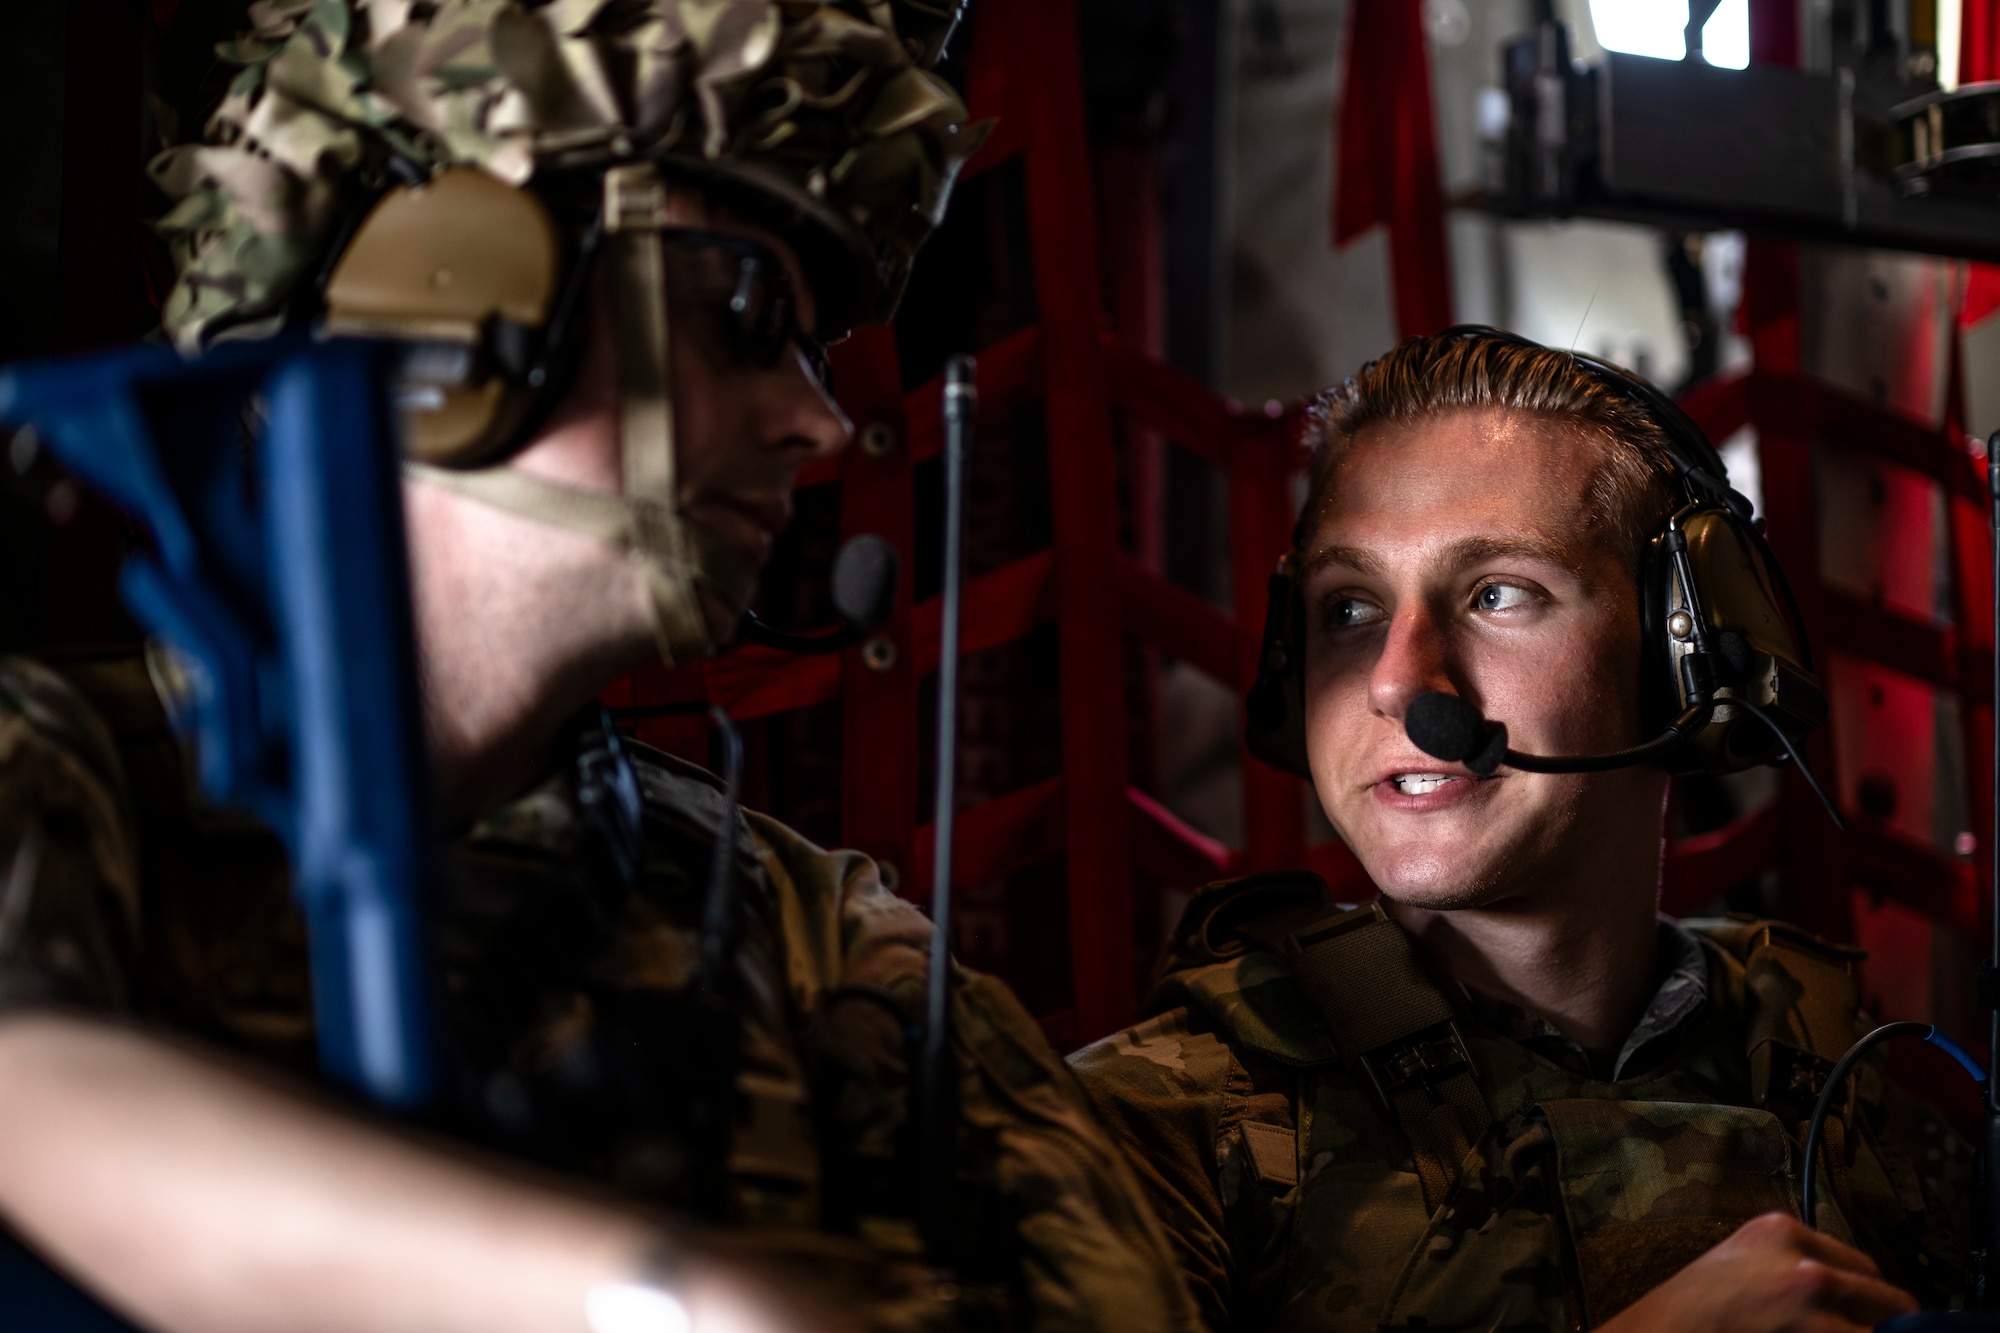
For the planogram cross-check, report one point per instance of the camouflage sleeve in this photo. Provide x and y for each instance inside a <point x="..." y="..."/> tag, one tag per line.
<point x="68" y="863"/>
<point x="1176" y="1097"/>
<point x="1090" y="1254"/>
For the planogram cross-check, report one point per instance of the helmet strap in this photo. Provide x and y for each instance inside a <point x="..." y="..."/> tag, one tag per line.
<point x="635" y="211"/>
<point x="677" y="555"/>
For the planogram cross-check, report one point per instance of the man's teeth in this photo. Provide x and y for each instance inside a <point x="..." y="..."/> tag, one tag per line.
<point x="1417" y="784"/>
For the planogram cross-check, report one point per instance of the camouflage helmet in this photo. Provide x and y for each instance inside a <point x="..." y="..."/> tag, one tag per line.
<point x="402" y="162"/>
<point x="822" y="117"/>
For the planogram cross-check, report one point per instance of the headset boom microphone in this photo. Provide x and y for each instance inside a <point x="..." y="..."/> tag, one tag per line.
<point x="865" y="571"/>
<point x="1446" y="727"/>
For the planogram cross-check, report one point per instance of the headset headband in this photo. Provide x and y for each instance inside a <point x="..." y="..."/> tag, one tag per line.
<point x="1697" y="463"/>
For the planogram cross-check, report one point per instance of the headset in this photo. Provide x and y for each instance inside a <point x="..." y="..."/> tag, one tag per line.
<point x="1726" y="681"/>
<point x="483" y="285"/>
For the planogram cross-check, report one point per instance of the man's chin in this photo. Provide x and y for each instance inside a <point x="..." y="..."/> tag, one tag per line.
<point x="1435" y="880"/>
<point x="1444" y="860"/>
<point x="1454" y="897"/>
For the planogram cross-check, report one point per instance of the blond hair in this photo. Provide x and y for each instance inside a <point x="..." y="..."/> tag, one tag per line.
<point x="1630" y="496"/>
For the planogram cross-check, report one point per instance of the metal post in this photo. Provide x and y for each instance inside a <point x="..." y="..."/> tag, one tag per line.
<point x="960" y="396"/>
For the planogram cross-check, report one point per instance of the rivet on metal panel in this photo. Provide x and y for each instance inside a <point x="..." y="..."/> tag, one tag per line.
<point x="878" y="652"/>
<point x="877" y="439"/>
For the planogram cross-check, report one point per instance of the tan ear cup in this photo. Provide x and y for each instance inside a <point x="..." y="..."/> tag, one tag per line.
<point x="1741" y="601"/>
<point x="439" y="265"/>
<point x="1735" y="586"/>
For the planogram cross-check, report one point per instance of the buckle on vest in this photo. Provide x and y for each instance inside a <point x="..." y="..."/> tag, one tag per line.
<point x="1787" y="1080"/>
<point x="1429" y="1058"/>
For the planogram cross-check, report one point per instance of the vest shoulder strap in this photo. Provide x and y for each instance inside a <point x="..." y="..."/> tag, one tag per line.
<point x="1802" y="1002"/>
<point x="1231" y="916"/>
<point x="1394" y="1026"/>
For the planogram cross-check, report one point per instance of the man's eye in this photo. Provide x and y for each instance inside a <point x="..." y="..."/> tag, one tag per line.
<point x="1501" y="597"/>
<point x="1347" y="612"/>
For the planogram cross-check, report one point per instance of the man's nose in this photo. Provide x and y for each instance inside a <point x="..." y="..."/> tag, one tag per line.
<point x="804" y="414"/>
<point x="1415" y="659"/>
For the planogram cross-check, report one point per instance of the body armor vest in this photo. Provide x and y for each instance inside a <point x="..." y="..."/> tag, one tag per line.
<point x="1441" y="1176"/>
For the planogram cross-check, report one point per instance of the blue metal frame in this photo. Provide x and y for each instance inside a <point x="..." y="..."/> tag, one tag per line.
<point x="279" y="577"/>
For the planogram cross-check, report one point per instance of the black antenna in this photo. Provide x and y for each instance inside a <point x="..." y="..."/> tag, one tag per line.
<point x="938" y="1125"/>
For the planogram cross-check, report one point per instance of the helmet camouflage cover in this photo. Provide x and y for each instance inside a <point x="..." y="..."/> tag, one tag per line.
<point x="821" y="118"/>
<point x="828" y="110"/>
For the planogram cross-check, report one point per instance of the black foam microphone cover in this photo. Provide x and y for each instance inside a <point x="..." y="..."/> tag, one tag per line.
<point x="1445" y="726"/>
<point x="865" y="571"/>
<point x="1448" y="728"/>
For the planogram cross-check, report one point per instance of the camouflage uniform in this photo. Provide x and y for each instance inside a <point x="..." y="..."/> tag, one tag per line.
<point x="568" y="923"/>
<point x="566" y="982"/>
<point x="1294" y="1200"/>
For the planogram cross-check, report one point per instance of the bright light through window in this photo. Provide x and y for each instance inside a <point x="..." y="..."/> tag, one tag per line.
<point x="1659" y="28"/>
<point x="1725" y="38"/>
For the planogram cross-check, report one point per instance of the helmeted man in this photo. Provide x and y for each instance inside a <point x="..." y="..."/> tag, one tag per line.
<point x="610" y="238"/>
<point x="1508" y="1094"/>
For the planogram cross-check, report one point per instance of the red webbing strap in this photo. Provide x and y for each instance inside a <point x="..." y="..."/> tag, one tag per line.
<point x="878" y="744"/>
<point x="1813" y="852"/>
<point x="994" y="838"/>
<point x="1699" y="865"/>
<point x="1258" y="452"/>
<point x="1040" y="36"/>
<point x="1720" y="404"/>
<point x="1387" y="156"/>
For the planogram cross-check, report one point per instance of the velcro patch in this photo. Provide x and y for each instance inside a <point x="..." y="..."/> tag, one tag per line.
<point x="1274" y="1152"/>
